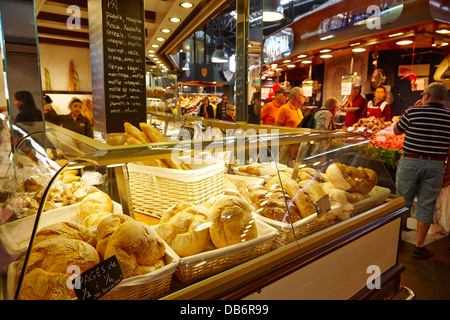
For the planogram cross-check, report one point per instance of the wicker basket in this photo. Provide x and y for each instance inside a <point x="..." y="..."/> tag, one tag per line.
<point x="288" y="233"/>
<point x="377" y="197"/>
<point x="149" y="286"/>
<point x="211" y="262"/>
<point x="154" y="189"/>
<point x="146" y="287"/>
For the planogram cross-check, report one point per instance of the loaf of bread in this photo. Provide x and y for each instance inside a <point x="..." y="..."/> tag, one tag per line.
<point x="135" y="133"/>
<point x="341" y="196"/>
<point x="301" y="199"/>
<point x="351" y="179"/>
<point x="106" y="228"/>
<point x="68" y="230"/>
<point x="137" y="248"/>
<point x="151" y="133"/>
<point x="310" y="173"/>
<point x="232" y="221"/>
<point x="51" y="259"/>
<point x="42" y="285"/>
<point x="94" y="219"/>
<point x="94" y="202"/>
<point x="184" y="227"/>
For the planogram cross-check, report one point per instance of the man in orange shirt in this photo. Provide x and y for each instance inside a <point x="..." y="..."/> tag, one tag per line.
<point x="269" y="110"/>
<point x="290" y="115"/>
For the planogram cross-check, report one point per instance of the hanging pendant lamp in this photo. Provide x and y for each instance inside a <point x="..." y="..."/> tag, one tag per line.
<point x="272" y="11"/>
<point x="219" y="55"/>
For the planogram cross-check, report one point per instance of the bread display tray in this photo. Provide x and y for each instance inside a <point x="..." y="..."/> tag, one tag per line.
<point x="207" y="263"/>
<point x="149" y="286"/>
<point x="152" y="285"/>
<point x="313" y="224"/>
<point x="301" y="228"/>
<point x="154" y="189"/>
<point x="377" y="196"/>
<point x="15" y="235"/>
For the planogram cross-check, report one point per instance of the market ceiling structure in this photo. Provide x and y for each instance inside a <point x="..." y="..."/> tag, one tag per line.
<point x="162" y="31"/>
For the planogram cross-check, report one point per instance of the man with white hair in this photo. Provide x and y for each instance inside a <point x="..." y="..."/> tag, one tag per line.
<point x="422" y="165"/>
<point x="290" y="114"/>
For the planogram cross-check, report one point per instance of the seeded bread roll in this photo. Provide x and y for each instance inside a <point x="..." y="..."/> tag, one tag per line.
<point x="68" y="230"/>
<point x="94" y="202"/>
<point x="184" y="228"/>
<point x="106" y="228"/>
<point x="137" y="247"/>
<point x="232" y="221"/>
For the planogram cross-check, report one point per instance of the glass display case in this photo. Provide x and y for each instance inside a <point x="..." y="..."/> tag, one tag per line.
<point x="213" y="218"/>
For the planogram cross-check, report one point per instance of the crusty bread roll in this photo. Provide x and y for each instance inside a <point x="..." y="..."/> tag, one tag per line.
<point x="341" y="196"/>
<point x="94" y="219"/>
<point x="313" y="189"/>
<point x="106" y="228"/>
<point x="350" y="178"/>
<point x="184" y="228"/>
<point x="137" y="247"/>
<point x="42" y="285"/>
<point x="232" y="221"/>
<point x="68" y="230"/>
<point x="53" y="256"/>
<point x="94" y="202"/>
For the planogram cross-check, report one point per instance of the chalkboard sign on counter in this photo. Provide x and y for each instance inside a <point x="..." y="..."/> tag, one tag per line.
<point x="117" y="46"/>
<point x="98" y="280"/>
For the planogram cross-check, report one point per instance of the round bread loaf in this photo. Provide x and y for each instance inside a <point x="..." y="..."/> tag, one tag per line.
<point x="46" y="275"/>
<point x="94" y="219"/>
<point x="94" y="202"/>
<point x="42" y="285"/>
<point x="232" y="221"/>
<point x="68" y="230"/>
<point x="137" y="248"/>
<point x="106" y="228"/>
<point x="185" y="228"/>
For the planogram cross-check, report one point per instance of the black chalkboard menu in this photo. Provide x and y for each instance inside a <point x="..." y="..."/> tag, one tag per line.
<point x="117" y="49"/>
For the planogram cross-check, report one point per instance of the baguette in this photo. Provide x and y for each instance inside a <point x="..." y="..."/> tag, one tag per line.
<point x="152" y="133"/>
<point x="135" y="132"/>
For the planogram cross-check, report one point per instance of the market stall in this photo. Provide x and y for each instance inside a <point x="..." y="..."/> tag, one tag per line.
<point x="300" y="230"/>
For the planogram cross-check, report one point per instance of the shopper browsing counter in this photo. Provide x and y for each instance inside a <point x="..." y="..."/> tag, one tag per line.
<point x="290" y="115"/>
<point x="74" y="121"/>
<point x="269" y="110"/>
<point x="425" y="150"/>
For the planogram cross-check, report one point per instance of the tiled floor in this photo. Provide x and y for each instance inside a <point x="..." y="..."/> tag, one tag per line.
<point x="429" y="279"/>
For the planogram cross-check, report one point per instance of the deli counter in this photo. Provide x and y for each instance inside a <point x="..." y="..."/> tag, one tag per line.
<point x="305" y="215"/>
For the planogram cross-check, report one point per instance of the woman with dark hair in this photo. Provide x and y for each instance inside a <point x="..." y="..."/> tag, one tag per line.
<point x="28" y="112"/>
<point x="74" y="121"/>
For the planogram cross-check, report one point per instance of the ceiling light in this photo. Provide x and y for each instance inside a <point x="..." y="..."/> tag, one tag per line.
<point x="175" y="19"/>
<point x="443" y="31"/>
<point x="326" y="56"/>
<point x="274" y="65"/>
<point x="278" y="69"/>
<point x="186" y="5"/>
<point x="160" y="39"/>
<point x="306" y="61"/>
<point x="286" y="61"/>
<point x="219" y="56"/>
<point x="395" y="34"/>
<point x="302" y="56"/>
<point x="151" y="55"/>
<point x="155" y="46"/>
<point x="403" y="42"/>
<point x="272" y="11"/>
<point x="325" y="50"/>
<point x="151" y="51"/>
<point x="355" y="44"/>
<point x="165" y="30"/>
<point x="359" y="49"/>
<point x="291" y="66"/>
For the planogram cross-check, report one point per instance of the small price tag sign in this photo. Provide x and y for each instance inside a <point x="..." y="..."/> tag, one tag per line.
<point x="98" y="280"/>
